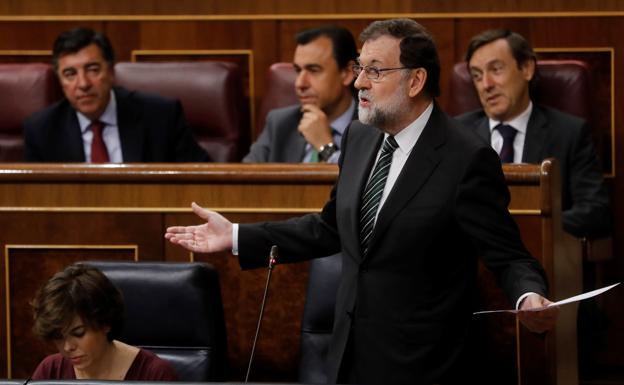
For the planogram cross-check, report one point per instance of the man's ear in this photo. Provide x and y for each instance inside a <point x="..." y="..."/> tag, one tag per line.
<point x="528" y="69"/>
<point x="417" y="81"/>
<point x="347" y="75"/>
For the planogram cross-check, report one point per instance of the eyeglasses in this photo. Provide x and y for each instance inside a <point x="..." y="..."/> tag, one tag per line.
<point x="373" y="73"/>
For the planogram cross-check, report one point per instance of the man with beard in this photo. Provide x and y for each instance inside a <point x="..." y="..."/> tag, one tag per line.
<point x="418" y="198"/>
<point x="312" y="130"/>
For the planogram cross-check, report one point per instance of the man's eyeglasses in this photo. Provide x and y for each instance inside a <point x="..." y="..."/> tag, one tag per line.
<point x="373" y="73"/>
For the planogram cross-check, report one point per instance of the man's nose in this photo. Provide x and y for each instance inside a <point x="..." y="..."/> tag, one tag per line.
<point x="487" y="81"/>
<point x="362" y="81"/>
<point x="301" y="81"/>
<point x="83" y="80"/>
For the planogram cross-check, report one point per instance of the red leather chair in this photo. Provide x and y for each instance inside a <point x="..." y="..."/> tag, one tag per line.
<point x="24" y="89"/>
<point x="555" y="78"/>
<point x="280" y="90"/>
<point x="211" y="94"/>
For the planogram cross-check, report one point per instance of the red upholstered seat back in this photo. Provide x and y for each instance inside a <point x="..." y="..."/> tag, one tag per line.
<point x="211" y="94"/>
<point x="561" y="84"/>
<point x="280" y="90"/>
<point x="25" y="88"/>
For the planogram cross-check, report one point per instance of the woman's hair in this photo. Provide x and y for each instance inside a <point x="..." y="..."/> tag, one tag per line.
<point x="79" y="290"/>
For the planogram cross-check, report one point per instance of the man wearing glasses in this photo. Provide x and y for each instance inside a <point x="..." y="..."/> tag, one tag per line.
<point x="417" y="200"/>
<point x="312" y="130"/>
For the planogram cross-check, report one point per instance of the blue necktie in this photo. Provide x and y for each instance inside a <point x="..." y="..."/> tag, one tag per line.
<point x="507" y="151"/>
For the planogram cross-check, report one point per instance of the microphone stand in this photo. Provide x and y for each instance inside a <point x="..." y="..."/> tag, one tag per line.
<point x="272" y="261"/>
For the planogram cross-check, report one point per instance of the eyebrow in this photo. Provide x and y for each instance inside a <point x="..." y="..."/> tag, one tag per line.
<point x="373" y="62"/>
<point x="312" y="66"/>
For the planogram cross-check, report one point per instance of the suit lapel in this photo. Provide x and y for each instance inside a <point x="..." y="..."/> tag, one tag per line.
<point x="73" y="136"/>
<point x="295" y="146"/>
<point x="483" y="130"/>
<point x="535" y="137"/>
<point x="363" y="143"/>
<point x="131" y="127"/>
<point x="421" y="163"/>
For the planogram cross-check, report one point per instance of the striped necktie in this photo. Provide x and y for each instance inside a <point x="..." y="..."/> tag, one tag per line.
<point x="373" y="192"/>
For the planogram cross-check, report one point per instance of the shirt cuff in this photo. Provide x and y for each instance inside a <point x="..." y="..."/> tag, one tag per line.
<point x="235" y="238"/>
<point x="522" y="297"/>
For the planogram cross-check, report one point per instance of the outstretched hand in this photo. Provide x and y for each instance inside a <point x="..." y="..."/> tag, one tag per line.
<point x="214" y="235"/>
<point x="537" y="321"/>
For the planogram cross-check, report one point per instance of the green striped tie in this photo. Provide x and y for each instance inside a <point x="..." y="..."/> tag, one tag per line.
<point x="374" y="190"/>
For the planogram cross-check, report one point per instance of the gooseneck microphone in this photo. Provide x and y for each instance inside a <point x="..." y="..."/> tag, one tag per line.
<point x="272" y="261"/>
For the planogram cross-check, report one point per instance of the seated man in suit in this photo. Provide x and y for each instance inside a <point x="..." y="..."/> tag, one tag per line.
<point x="311" y="131"/>
<point x="502" y="64"/>
<point x="97" y="122"/>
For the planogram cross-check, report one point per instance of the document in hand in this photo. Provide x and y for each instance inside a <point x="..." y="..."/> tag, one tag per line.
<point x="576" y="298"/>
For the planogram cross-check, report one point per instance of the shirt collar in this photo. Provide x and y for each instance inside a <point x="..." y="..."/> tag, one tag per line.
<point x="342" y="122"/>
<point x="520" y="122"/>
<point x="109" y="117"/>
<point x="407" y="137"/>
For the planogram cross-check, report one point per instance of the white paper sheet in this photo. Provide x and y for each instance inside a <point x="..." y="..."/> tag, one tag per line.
<point x="576" y="298"/>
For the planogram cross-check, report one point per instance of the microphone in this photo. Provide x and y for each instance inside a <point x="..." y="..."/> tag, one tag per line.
<point x="272" y="261"/>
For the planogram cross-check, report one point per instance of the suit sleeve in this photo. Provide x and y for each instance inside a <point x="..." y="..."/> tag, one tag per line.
<point x="482" y="211"/>
<point x="31" y="142"/>
<point x="589" y="215"/>
<point x="298" y="239"/>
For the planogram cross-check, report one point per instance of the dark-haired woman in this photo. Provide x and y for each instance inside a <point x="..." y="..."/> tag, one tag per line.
<point x="81" y="312"/>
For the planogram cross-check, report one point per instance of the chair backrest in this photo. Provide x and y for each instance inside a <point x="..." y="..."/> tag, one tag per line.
<point x="175" y="311"/>
<point x="318" y="318"/>
<point x="556" y="78"/>
<point x="280" y="90"/>
<point x="25" y="88"/>
<point x="211" y="94"/>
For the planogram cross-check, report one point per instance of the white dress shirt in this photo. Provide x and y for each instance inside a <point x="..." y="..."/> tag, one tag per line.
<point x="520" y="123"/>
<point x="110" y="133"/>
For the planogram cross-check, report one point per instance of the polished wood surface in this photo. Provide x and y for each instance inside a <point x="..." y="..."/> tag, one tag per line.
<point x="52" y="215"/>
<point x="219" y="7"/>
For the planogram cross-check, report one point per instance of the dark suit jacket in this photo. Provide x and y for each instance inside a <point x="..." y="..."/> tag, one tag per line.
<point x="406" y="306"/>
<point x="280" y="141"/>
<point x="151" y="129"/>
<point x="554" y="134"/>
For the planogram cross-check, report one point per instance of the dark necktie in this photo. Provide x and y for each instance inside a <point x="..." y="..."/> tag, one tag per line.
<point x="99" y="154"/>
<point x="374" y="190"/>
<point x="507" y="151"/>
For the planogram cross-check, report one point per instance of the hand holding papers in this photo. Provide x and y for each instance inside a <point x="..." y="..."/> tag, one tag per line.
<point x="576" y="298"/>
<point x="537" y="321"/>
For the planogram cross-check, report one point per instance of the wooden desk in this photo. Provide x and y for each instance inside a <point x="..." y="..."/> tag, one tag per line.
<point x="52" y="215"/>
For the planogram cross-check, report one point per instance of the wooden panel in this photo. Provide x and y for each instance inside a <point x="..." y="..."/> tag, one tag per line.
<point x="219" y="7"/>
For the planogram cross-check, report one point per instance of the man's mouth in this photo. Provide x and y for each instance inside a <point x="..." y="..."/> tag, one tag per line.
<point x="492" y="99"/>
